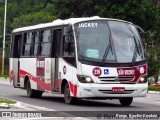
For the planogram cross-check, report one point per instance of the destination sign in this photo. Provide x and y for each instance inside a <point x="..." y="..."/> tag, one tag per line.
<point x="82" y="25"/>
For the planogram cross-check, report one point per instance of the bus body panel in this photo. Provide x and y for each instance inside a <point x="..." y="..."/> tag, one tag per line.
<point x="113" y="78"/>
<point x="11" y="70"/>
<point x="68" y="72"/>
<point x="39" y="76"/>
<point x="52" y="74"/>
<point x="15" y="72"/>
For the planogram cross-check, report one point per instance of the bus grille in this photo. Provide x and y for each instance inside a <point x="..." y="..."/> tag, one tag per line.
<point x="110" y="92"/>
<point x="118" y="79"/>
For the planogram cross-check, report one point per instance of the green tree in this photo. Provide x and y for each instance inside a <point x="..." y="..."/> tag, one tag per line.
<point x="32" y="19"/>
<point x="75" y="8"/>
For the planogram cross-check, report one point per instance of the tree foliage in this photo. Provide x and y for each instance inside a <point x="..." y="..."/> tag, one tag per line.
<point x="32" y="19"/>
<point x="144" y="13"/>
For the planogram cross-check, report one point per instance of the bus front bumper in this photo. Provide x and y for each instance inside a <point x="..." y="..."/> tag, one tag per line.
<point x="106" y="90"/>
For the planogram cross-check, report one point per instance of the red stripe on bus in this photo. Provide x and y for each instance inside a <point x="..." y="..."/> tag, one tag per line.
<point x="45" y="86"/>
<point x="73" y="89"/>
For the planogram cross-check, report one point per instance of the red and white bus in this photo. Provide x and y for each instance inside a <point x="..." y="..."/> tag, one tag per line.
<point x="87" y="58"/>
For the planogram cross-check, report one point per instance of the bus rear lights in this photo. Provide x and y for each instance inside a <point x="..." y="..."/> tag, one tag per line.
<point x="143" y="79"/>
<point x="84" y="79"/>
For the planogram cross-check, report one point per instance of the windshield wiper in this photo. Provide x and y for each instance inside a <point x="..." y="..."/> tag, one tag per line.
<point x="109" y="46"/>
<point x="136" y="50"/>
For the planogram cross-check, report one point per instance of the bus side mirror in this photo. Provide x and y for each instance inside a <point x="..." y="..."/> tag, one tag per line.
<point x="142" y="35"/>
<point x="139" y="29"/>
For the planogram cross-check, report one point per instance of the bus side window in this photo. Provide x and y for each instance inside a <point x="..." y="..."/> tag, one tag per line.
<point x="69" y="49"/>
<point x="68" y="46"/>
<point x="35" y="43"/>
<point x="27" y="44"/>
<point x="45" y="43"/>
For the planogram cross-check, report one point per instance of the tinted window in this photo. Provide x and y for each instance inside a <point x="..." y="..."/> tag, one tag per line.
<point x="35" y="43"/>
<point x="16" y="46"/>
<point x="27" y="44"/>
<point x="45" y="43"/>
<point x="68" y="46"/>
<point x="26" y="50"/>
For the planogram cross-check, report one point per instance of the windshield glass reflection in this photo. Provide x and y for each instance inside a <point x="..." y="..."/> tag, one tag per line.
<point x="92" y="40"/>
<point x="126" y="40"/>
<point x="116" y="39"/>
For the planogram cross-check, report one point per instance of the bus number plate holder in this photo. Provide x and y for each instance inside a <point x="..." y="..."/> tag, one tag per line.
<point x="118" y="89"/>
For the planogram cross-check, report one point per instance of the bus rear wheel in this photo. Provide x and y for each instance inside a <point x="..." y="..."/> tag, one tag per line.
<point x="32" y="93"/>
<point x="126" y="101"/>
<point x="67" y="97"/>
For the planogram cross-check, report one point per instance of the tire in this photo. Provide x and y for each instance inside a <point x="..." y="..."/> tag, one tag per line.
<point x="32" y="93"/>
<point x="37" y="94"/>
<point x="67" y="97"/>
<point x="126" y="101"/>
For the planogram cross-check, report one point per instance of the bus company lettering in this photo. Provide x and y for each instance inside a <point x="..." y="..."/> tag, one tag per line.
<point x="40" y="64"/>
<point x="126" y="72"/>
<point x="87" y="25"/>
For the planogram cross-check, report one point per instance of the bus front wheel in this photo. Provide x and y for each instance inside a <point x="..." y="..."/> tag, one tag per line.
<point x="67" y="97"/>
<point x="32" y="93"/>
<point x="126" y="101"/>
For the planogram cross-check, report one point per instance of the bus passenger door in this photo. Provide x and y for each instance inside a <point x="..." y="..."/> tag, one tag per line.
<point x="16" y="45"/>
<point x="55" y="75"/>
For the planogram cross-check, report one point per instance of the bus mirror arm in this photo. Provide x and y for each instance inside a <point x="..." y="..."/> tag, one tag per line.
<point x="142" y="31"/>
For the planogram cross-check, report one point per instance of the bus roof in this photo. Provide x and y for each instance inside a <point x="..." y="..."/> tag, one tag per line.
<point x="59" y="22"/>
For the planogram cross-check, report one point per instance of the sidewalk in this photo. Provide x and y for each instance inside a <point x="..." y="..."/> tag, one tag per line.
<point x="20" y="106"/>
<point x="5" y="81"/>
<point x="21" y="111"/>
<point x="154" y="92"/>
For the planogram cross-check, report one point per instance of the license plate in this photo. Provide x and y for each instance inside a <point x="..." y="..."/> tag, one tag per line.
<point x="118" y="89"/>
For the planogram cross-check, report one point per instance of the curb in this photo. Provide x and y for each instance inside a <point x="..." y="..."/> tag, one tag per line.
<point x="154" y="92"/>
<point x="20" y="106"/>
<point x="5" y="105"/>
<point x="30" y="107"/>
<point x="25" y="106"/>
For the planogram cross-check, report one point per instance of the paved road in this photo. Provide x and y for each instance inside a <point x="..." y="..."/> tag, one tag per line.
<point x="149" y="103"/>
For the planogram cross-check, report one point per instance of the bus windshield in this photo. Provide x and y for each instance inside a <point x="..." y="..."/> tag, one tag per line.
<point x="108" y="42"/>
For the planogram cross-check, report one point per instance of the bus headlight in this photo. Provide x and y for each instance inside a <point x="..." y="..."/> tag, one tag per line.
<point x="84" y="79"/>
<point x="143" y="79"/>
